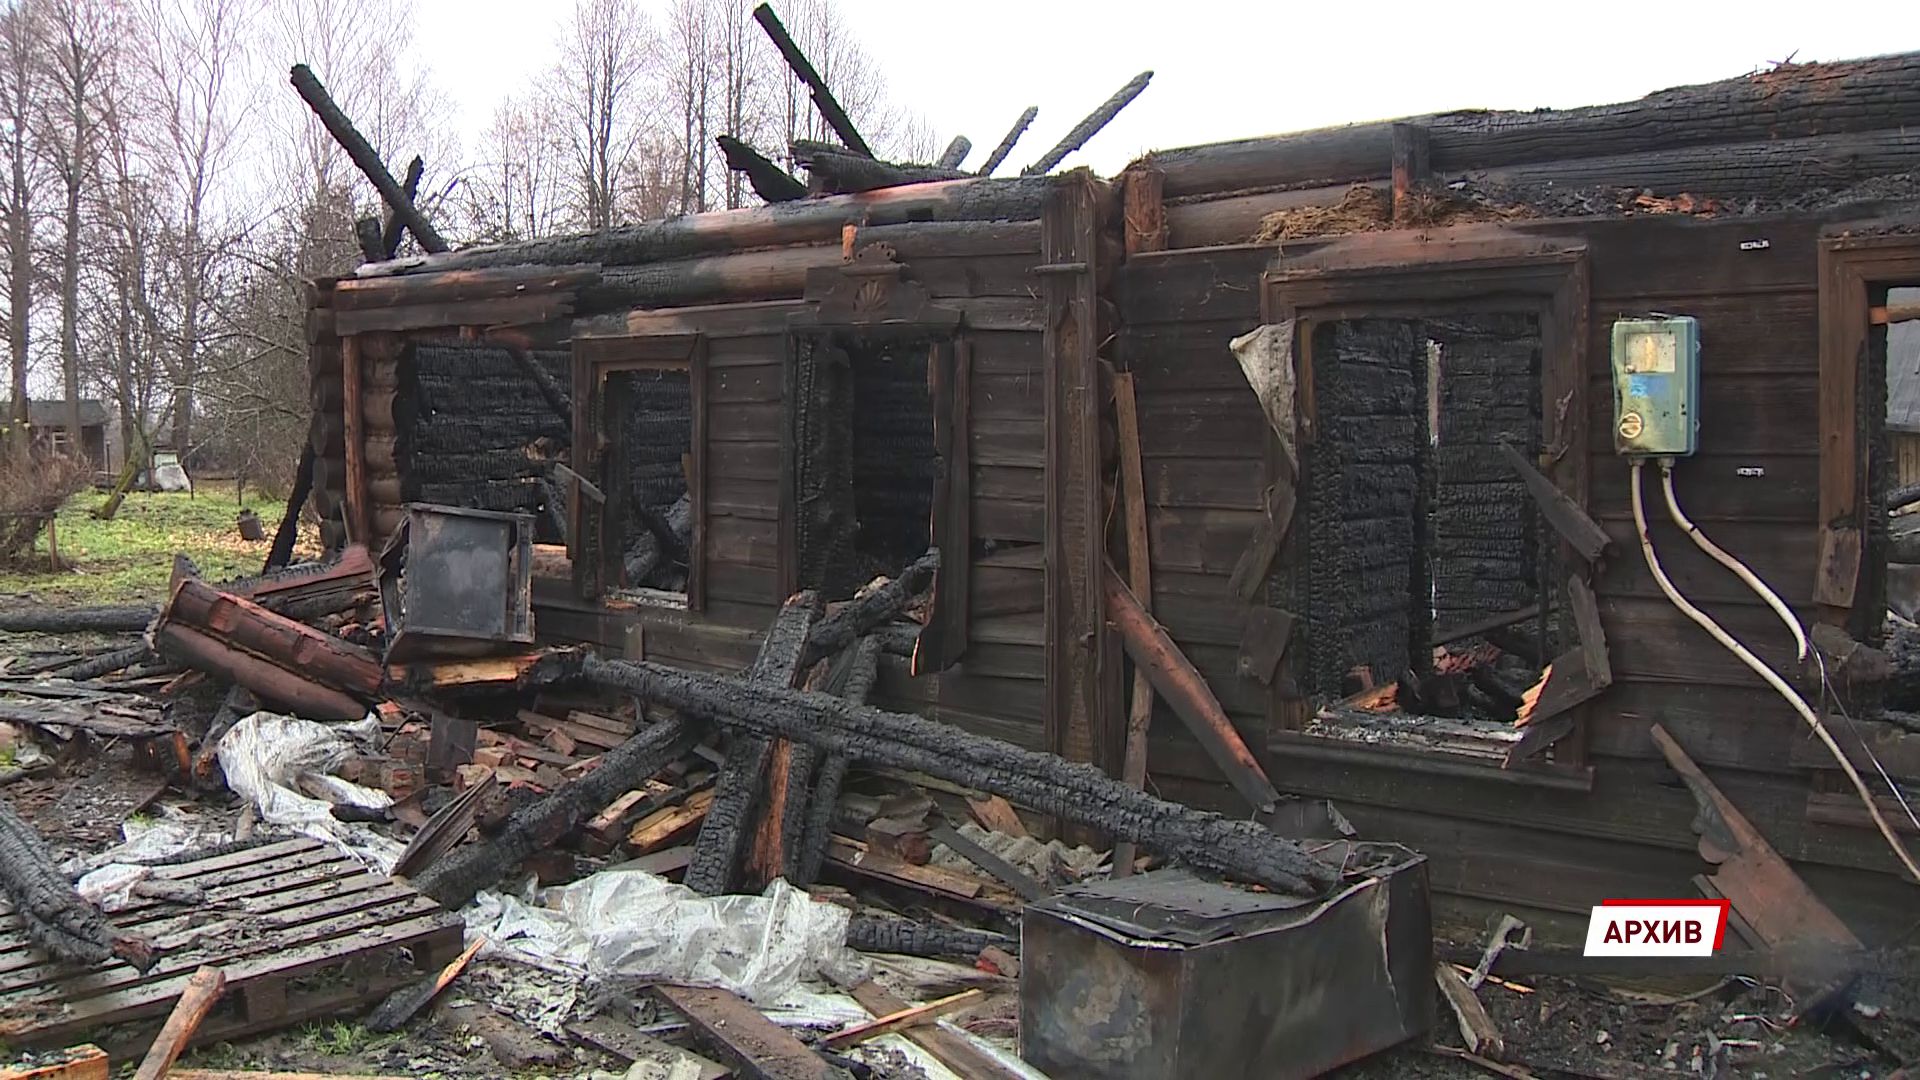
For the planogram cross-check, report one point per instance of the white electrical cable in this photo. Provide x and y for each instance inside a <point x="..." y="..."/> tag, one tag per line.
<point x="1739" y="568"/>
<point x="1759" y="667"/>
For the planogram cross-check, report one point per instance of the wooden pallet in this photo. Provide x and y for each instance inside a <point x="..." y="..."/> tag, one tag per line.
<point x="300" y="929"/>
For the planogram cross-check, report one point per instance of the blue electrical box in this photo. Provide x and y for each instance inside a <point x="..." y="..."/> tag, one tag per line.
<point x="1656" y="386"/>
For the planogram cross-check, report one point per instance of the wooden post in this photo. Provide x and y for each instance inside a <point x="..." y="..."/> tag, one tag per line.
<point x="1076" y="628"/>
<point x="355" y="433"/>
<point x="1144" y="212"/>
<point x="1409" y="165"/>
<point x="1133" y="494"/>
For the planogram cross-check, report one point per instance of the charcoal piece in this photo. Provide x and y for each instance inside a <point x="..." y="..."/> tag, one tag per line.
<point x="906" y="937"/>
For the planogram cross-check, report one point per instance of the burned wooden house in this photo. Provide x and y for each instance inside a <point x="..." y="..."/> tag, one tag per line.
<point x="1363" y="383"/>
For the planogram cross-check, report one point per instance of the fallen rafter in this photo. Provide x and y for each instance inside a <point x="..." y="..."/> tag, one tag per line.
<point x="1088" y="128"/>
<point x="768" y="180"/>
<point x="364" y="156"/>
<point x="823" y="99"/>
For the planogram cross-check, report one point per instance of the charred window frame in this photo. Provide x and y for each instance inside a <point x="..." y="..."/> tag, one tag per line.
<point x="868" y="307"/>
<point x="1470" y="272"/>
<point x="598" y="398"/>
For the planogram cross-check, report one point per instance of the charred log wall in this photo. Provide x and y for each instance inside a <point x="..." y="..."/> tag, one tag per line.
<point x="1482" y="534"/>
<point x="1366" y="602"/>
<point x="475" y="431"/>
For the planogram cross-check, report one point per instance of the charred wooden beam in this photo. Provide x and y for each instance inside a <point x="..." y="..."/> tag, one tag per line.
<point x="833" y="171"/>
<point x="550" y="389"/>
<point x="1043" y="782"/>
<point x="1089" y="127"/>
<point x="1176" y="680"/>
<point x="955" y="153"/>
<point x="281" y="552"/>
<point x="851" y="677"/>
<point x="861" y="616"/>
<point x="768" y="180"/>
<point x="823" y="99"/>
<point x="390" y="232"/>
<point x="809" y="221"/>
<point x="729" y="828"/>
<point x="1001" y="151"/>
<point x="457" y="877"/>
<point x="742" y="1037"/>
<point x="366" y="232"/>
<point x="364" y="156"/>
<point x="59" y="920"/>
<point x="105" y="663"/>
<point x="81" y="620"/>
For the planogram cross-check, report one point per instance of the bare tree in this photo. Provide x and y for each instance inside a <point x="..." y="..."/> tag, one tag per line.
<point x="20" y="30"/>
<point x="191" y="51"/>
<point x="512" y="191"/>
<point x="599" y="90"/>
<point x="689" y="78"/>
<point x="80" y="34"/>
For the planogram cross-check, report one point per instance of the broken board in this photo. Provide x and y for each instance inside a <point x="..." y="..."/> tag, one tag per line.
<point x="301" y="930"/>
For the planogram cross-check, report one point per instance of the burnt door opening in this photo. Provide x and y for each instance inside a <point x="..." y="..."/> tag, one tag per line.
<point x="1418" y="525"/>
<point x="875" y="469"/>
<point x="650" y="504"/>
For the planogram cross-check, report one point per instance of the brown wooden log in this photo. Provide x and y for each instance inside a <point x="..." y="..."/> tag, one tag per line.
<point x="1878" y="94"/>
<point x="809" y="221"/>
<point x="201" y="994"/>
<point x="1012" y="136"/>
<point x="364" y="156"/>
<point x="823" y="99"/>
<point x="203" y="653"/>
<point x="1234" y="218"/>
<point x="317" y="656"/>
<point x="1176" y="679"/>
<point x="459" y="286"/>
<point x="768" y="180"/>
<point x="1087" y="128"/>
<point x="1133" y="500"/>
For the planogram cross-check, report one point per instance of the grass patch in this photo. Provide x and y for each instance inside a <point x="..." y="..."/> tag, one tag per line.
<point x="128" y="560"/>
<point x="344" y="1039"/>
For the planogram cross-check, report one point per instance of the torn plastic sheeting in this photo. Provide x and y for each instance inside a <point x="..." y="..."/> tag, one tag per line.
<point x="624" y="926"/>
<point x="271" y="760"/>
<point x="111" y="875"/>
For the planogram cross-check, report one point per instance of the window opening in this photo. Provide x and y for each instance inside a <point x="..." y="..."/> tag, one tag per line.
<point x="1418" y="528"/>
<point x="650" y="524"/>
<point x="1894" y="349"/>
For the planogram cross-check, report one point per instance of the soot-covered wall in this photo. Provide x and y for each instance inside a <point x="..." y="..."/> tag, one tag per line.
<point x="1365" y="492"/>
<point x="651" y="439"/>
<point x="1483" y="534"/>
<point x="475" y="432"/>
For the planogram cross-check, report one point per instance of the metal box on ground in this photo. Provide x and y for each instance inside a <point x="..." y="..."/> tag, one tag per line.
<point x="1166" y="975"/>
<point x="457" y="582"/>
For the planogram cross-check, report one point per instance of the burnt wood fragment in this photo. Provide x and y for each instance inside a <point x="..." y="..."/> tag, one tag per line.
<point x="850" y="676"/>
<point x="823" y="99"/>
<point x="1048" y="784"/>
<point x="104" y="664"/>
<point x="364" y="156"/>
<point x="768" y="180"/>
<point x="955" y="153"/>
<point x="861" y="616"/>
<point x="281" y="553"/>
<point x="457" y="877"/>
<point x="106" y="620"/>
<point x="390" y="232"/>
<point x="1089" y="127"/>
<point x="906" y="937"/>
<point x="833" y="171"/>
<point x="1001" y="151"/>
<point x="1567" y="518"/>
<point x="59" y="920"/>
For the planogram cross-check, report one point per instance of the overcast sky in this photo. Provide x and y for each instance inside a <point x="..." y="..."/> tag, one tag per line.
<point x="1231" y="68"/>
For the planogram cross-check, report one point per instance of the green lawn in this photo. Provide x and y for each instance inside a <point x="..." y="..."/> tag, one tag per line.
<point x="128" y="560"/>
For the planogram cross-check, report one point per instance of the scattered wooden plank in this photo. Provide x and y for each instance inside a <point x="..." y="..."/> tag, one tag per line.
<point x="1567" y="518"/>
<point x="669" y="824"/>
<point x="1593" y="639"/>
<point x="1010" y="875"/>
<point x="903" y="1019"/>
<point x="742" y="1036"/>
<point x="1839" y="570"/>
<point x="87" y="1062"/>
<point x="953" y="1050"/>
<point x="625" y="1042"/>
<point x="1133" y="494"/>
<point x="196" y="1001"/>
<point x="1263" y="642"/>
<point x="1251" y="569"/>
<point x="403" y="1004"/>
<point x="996" y="815"/>
<point x="1476" y="1027"/>
<point x="853" y="854"/>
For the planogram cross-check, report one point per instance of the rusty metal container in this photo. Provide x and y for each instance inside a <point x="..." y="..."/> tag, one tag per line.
<point x="1165" y="975"/>
<point x="457" y="582"/>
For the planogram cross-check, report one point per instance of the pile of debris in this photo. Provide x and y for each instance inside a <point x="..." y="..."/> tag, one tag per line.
<point x="412" y="770"/>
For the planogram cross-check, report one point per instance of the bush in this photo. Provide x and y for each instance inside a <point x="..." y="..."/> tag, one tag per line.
<point x="33" y="484"/>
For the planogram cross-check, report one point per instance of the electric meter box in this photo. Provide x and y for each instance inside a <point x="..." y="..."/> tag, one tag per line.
<point x="1656" y="386"/>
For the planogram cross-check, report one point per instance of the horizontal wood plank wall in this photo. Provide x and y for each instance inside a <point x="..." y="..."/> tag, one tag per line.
<point x="1753" y="487"/>
<point x="1203" y="458"/>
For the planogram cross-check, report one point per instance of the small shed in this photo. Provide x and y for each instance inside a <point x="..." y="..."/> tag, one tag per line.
<point x="52" y="430"/>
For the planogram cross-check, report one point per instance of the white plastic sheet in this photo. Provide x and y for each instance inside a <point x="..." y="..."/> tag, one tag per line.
<point x="281" y="764"/>
<point x="1266" y="358"/>
<point x="628" y="926"/>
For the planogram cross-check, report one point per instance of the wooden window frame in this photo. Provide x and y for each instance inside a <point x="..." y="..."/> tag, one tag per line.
<point x="1853" y="260"/>
<point x="594" y="359"/>
<point x="943" y="640"/>
<point x="1415" y="274"/>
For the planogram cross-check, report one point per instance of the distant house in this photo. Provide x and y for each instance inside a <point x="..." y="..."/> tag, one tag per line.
<point x="48" y="422"/>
